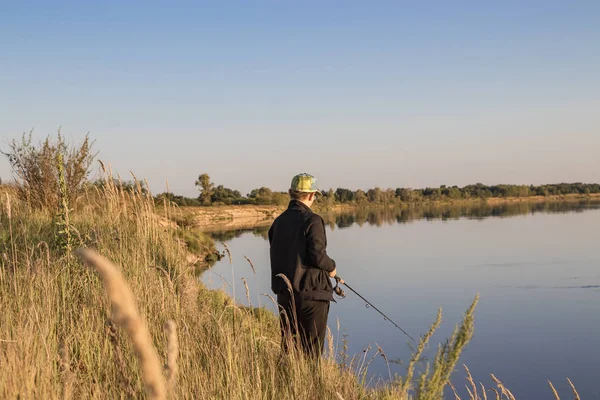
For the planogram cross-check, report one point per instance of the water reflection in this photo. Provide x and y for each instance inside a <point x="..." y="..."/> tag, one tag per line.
<point x="404" y="215"/>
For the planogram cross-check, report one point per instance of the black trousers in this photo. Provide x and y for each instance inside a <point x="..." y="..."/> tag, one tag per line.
<point x="303" y="323"/>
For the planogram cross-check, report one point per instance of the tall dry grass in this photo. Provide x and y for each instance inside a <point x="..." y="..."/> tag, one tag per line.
<point x="62" y="336"/>
<point x="125" y="313"/>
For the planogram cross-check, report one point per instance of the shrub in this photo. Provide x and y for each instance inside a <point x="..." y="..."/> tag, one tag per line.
<point x="37" y="167"/>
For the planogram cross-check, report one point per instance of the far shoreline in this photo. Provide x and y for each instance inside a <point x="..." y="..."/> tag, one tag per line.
<point x="231" y="217"/>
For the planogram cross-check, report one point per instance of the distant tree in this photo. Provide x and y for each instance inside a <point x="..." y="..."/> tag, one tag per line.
<point x="179" y="200"/>
<point x="205" y="186"/>
<point x="432" y="193"/>
<point x="329" y="197"/>
<point x="454" y="193"/>
<point x="360" y="196"/>
<point x="565" y="188"/>
<point x="375" y="195"/>
<point x="280" y="198"/>
<point x="344" y="195"/>
<point x="263" y="196"/>
<point x="388" y="196"/>
<point x="224" y="195"/>
<point x="523" y="191"/>
<point x="405" y="195"/>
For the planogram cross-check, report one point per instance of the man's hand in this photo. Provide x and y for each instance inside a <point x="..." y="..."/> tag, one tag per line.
<point x="333" y="275"/>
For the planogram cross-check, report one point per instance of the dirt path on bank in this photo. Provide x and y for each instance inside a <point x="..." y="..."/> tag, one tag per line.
<point x="218" y="218"/>
<point x="224" y="218"/>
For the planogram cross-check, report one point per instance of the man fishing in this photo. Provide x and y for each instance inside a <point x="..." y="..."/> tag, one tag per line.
<point x="299" y="252"/>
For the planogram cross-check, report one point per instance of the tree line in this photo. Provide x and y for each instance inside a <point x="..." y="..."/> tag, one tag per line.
<point x="211" y="194"/>
<point x="40" y="168"/>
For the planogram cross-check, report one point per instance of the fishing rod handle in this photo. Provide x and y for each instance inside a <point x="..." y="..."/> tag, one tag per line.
<point x="337" y="289"/>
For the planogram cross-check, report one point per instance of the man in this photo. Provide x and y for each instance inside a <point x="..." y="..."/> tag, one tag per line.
<point x="298" y="251"/>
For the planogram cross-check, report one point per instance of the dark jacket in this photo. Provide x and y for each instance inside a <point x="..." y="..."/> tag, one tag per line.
<point x="298" y="250"/>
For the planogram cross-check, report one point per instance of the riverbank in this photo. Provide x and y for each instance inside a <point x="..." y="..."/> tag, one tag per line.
<point x="224" y="218"/>
<point x="64" y="334"/>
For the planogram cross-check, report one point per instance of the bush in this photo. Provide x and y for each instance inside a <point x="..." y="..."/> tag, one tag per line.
<point x="36" y="168"/>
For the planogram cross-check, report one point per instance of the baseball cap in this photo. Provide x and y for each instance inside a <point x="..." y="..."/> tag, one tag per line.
<point x="305" y="183"/>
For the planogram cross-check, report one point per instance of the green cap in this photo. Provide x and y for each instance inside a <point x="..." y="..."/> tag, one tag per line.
<point x="304" y="183"/>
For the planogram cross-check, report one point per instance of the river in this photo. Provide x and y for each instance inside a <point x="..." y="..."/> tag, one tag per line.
<point x="535" y="266"/>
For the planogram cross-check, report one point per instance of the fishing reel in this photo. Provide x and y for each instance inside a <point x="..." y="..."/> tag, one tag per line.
<point x="337" y="289"/>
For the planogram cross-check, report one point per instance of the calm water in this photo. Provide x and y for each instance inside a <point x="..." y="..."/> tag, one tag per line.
<point x="537" y="269"/>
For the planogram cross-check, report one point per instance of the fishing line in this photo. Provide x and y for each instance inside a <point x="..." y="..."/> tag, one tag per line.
<point x="340" y="292"/>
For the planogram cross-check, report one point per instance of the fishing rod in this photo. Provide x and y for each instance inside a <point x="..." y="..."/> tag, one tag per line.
<point x="340" y="292"/>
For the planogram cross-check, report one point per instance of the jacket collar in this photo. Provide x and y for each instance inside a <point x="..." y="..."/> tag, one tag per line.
<point x="297" y="204"/>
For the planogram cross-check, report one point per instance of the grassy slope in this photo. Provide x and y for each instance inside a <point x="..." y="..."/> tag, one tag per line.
<point x="56" y="335"/>
<point x="57" y="338"/>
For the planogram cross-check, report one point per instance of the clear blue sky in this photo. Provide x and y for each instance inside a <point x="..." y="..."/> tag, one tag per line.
<point x="358" y="93"/>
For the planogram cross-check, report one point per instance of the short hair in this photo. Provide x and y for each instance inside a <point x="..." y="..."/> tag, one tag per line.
<point x="297" y="195"/>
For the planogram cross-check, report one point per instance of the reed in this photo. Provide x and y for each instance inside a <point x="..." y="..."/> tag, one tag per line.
<point x="502" y="392"/>
<point x="575" y="394"/>
<point x="556" y="396"/>
<point x="172" y="353"/>
<point x="125" y="313"/>
<point x="251" y="264"/>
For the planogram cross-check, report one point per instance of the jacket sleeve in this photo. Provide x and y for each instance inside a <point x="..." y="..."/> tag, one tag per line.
<point x="316" y="243"/>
